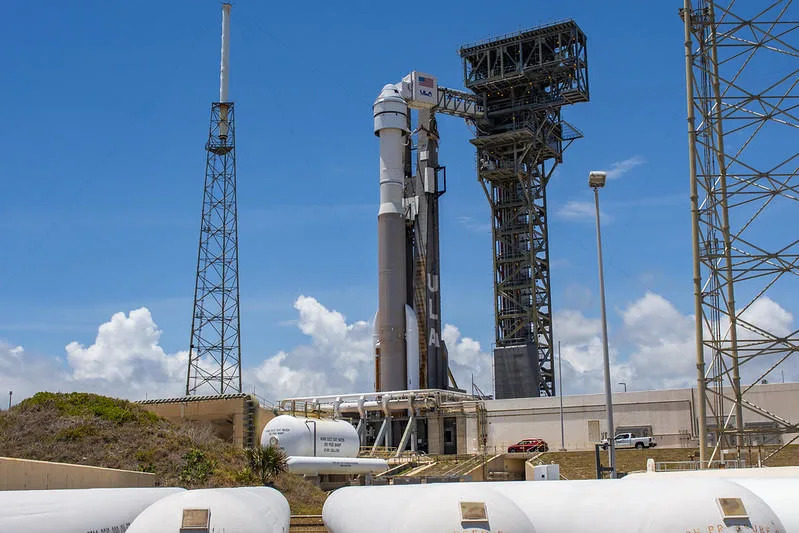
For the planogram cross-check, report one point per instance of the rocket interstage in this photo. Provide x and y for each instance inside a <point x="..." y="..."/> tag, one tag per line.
<point x="391" y="126"/>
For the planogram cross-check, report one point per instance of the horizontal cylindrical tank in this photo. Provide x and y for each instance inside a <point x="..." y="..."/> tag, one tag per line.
<point x="777" y="486"/>
<point x="332" y="465"/>
<point x="75" y="510"/>
<point x="434" y="508"/>
<point x="311" y="437"/>
<point x="231" y="510"/>
<point x="704" y="504"/>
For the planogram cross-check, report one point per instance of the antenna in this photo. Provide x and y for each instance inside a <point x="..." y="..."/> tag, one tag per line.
<point x="214" y="351"/>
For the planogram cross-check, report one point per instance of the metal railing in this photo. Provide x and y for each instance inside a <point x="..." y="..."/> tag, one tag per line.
<point x="672" y="466"/>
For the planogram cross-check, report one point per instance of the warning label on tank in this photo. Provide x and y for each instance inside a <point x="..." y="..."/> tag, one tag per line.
<point x="331" y="444"/>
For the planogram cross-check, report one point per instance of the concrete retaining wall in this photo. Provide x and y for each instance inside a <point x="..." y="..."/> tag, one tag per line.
<point x="26" y="474"/>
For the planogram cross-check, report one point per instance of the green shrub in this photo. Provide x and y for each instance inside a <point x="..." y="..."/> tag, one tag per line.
<point x="197" y="468"/>
<point x="85" y="404"/>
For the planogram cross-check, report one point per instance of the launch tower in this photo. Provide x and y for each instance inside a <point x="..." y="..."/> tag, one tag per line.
<point x="215" y="351"/>
<point x="522" y="81"/>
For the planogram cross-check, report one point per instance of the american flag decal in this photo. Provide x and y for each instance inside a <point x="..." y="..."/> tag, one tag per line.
<point x="426" y="82"/>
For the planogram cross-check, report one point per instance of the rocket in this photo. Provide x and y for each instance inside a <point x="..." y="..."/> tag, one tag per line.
<point x="391" y="126"/>
<point x="409" y="353"/>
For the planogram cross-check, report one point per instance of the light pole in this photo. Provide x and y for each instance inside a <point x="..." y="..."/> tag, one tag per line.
<point x="596" y="180"/>
<point x="624" y="385"/>
<point x="560" y="395"/>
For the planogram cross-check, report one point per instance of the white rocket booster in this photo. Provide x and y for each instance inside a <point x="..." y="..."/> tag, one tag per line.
<point x="391" y="125"/>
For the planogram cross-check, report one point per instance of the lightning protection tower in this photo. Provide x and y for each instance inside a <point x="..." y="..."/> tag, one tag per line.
<point x="215" y="351"/>
<point x="523" y="80"/>
<point x="743" y="128"/>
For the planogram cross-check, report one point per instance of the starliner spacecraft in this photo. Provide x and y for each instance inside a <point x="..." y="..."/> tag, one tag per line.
<point x="409" y="351"/>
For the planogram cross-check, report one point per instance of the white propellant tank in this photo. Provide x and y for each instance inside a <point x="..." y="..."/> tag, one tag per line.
<point x="777" y="486"/>
<point x="703" y="504"/>
<point x="440" y="507"/>
<point x="230" y="510"/>
<point x="75" y="510"/>
<point x="311" y="437"/>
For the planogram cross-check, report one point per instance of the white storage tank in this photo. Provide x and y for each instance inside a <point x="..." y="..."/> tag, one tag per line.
<point x="231" y="510"/>
<point x="311" y="437"/>
<point x="598" y="506"/>
<point x="75" y="510"/>
<point x="433" y="508"/>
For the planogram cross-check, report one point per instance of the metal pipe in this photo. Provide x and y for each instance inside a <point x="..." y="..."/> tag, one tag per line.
<point x="605" y="355"/>
<point x="701" y="383"/>
<point x="224" y="68"/>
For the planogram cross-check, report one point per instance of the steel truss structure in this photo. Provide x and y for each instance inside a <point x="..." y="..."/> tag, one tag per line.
<point x="742" y="71"/>
<point x="215" y="351"/>
<point x="522" y="81"/>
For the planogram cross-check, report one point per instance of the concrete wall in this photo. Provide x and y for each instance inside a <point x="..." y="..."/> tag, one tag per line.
<point x="227" y="414"/>
<point x="670" y="413"/>
<point x="25" y="474"/>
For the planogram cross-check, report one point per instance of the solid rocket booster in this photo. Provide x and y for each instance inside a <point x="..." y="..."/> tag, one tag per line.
<point x="391" y="125"/>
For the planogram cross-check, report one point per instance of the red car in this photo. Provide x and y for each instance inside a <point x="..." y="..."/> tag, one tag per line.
<point x="528" y="445"/>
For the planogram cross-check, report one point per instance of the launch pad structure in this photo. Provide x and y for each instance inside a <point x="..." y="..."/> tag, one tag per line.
<point x="523" y="80"/>
<point x="519" y="84"/>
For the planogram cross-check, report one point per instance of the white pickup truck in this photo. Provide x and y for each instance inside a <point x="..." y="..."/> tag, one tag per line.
<point x="627" y="440"/>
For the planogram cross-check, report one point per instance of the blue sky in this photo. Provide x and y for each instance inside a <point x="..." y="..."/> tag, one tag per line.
<point x="107" y="107"/>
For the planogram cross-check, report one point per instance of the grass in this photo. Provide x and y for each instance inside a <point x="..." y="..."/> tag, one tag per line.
<point x="95" y="430"/>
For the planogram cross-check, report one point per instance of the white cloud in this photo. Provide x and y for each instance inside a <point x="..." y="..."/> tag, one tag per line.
<point x="338" y="358"/>
<point x="467" y="360"/>
<point x="126" y="348"/>
<point x="619" y="168"/>
<point x="651" y="347"/>
<point x="577" y="210"/>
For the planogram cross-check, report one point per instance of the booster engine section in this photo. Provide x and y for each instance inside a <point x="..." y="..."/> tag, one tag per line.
<point x="391" y="126"/>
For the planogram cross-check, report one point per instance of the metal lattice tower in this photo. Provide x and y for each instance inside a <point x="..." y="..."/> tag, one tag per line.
<point x="215" y="351"/>
<point x="743" y="127"/>
<point x="523" y="80"/>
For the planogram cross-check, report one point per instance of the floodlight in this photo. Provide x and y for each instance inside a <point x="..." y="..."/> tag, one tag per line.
<point x="597" y="178"/>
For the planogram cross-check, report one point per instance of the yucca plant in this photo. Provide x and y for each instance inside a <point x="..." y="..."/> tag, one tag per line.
<point x="267" y="462"/>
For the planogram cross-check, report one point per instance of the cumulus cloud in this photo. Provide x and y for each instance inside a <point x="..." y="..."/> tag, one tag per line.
<point x="467" y="360"/>
<point x="337" y="359"/>
<point x="651" y="346"/>
<point x="126" y="348"/>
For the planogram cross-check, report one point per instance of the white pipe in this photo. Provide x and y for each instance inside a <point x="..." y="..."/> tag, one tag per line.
<point x="412" y="347"/>
<point x="224" y="68"/>
<point x="313" y="466"/>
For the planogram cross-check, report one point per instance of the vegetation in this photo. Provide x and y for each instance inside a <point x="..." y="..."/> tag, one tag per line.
<point x="267" y="462"/>
<point x="96" y="430"/>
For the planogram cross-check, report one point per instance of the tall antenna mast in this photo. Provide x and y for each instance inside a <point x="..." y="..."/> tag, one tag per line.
<point x="215" y="351"/>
